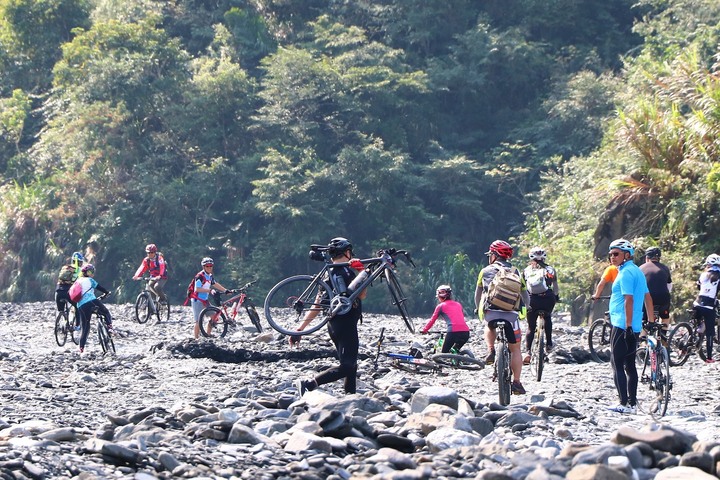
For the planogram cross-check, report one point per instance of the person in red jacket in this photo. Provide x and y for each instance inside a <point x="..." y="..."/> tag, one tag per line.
<point x="155" y="265"/>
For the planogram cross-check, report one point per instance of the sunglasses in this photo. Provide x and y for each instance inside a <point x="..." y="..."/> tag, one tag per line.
<point x="614" y="254"/>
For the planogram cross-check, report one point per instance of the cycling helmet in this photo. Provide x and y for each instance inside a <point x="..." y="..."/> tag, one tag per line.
<point x="78" y="256"/>
<point x="652" y="252"/>
<point x="338" y="245"/>
<point x="623" y="245"/>
<point x="151" y="248"/>
<point x="87" y="269"/>
<point x="713" y="259"/>
<point x="538" y="254"/>
<point x="500" y="248"/>
<point x="444" y="292"/>
<point x="207" y="261"/>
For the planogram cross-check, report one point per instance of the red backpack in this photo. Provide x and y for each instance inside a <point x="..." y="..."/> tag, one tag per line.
<point x="191" y="287"/>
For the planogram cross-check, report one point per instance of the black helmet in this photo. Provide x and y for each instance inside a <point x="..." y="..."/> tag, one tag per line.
<point x="338" y="246"/>
<point x="652" y="252"/>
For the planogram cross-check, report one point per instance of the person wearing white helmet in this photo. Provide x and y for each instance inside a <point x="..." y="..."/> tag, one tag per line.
<point x="457" y="332"/>
<point x="542" y="285"/>
<point x="629" y="292"/>
<point x="204" y="284"/>
<point x="704" y="304"/>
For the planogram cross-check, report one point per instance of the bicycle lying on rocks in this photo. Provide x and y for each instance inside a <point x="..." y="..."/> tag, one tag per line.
<point x="214" y="321"/>
<point x="287" y="303"/>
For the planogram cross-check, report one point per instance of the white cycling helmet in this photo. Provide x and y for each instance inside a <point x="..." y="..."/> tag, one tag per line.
<point x="538" y="254"/>
<point x="444" y="292"/>
<point x="623" y="245"/>
<point x="713" y="260"/>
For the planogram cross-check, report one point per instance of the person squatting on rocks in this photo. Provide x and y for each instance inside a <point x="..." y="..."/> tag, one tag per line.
<point x="457" y="332"/>
<point x="704" y="304"/>
<point x="629" y="292"/>
<point x="499" y="255"/>
<point x="89" y="301"/>
<point x="542" y="285"/>
<point x="342" y="328"/>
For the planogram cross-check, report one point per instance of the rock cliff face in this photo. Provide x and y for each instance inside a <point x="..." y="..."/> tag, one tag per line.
<point x="167" y="406"/>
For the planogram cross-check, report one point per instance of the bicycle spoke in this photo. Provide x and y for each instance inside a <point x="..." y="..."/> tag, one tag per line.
<point x="680" y="343"/>
<point x="213" y="323"/>
<point x="599" y="340"/>
<point x="291" y="300"/>
<point x="142" y="308"/>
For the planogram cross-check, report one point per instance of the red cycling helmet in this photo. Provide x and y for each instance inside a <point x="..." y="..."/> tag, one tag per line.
<point x="501" y="248"/>
<point x="151" y="248"/>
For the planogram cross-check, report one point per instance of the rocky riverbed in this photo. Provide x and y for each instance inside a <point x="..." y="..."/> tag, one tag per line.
<point x="167" y="406"/>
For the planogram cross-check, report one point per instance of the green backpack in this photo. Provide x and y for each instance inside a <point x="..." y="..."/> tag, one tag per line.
<point x="67" y="275"/>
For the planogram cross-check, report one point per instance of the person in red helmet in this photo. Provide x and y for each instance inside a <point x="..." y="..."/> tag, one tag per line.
<point x="154" y="264"/>
<point x="499" y="255"/>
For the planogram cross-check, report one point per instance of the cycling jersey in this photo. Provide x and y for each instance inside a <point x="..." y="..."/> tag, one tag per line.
<point x="658" y="277"/>
<point x="88" y="288"/>
<point x="610" y="274"/>
<point x="156" y="266"/>
<point x="203" y="280"/>
<point x="708" y="284"/>
<point x="452" y="312"/>
<point x="630" y="281"/>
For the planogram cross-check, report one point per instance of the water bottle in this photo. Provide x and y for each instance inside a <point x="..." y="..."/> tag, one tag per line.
<point x="340" y="283"/>
<point x="359" y="278"/>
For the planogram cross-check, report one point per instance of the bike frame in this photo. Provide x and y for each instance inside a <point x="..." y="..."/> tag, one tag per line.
<point x="238" y="301"/>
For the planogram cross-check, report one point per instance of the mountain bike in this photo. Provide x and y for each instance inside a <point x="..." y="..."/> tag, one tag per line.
<point x="412" y="362"/>
<point x="502" y="371"/>
<point x="288" y="302"/>
<point x="537" y="349"/>
<point x="148" y="304"/>
<point x="462" y="359"/>
<point x="67" y="321"/>
<point x="656" y="370"/>
<point x="104" y="335"/>
<point x="214" y="321"/>
<point x="599" y="336"/>
<point x="688" y="337"/>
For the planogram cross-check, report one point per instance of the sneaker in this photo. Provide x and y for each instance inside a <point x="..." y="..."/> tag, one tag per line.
<point x="620" y="408"/>
<point x="516" y="388"/>
<point x="548" y="348"/>
<point x="111" y="330"/>
<point x="526" y="360"/>
<point x="490" y="359"/>
<point x="709" y="360"/>
<point x="633" y="409"/>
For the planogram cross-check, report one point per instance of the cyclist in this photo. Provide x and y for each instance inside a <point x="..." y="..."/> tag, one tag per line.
<point x="629" y="292"/>
<point x="67" y="276"/>
<point x="154" y="263"/>
<point x="659" y="283"/>
<point x="704" y="304"/>
<point x="342" y="328"/>
<point x="457" y="333"/>
<point x="499" y="255"/>
<point x="542" y="285"/>
<point x="205" y="284"/>
<point x="88" y="301"/>
<point x="608" y="276"/>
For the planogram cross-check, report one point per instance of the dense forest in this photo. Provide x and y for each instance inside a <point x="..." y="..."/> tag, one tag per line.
<point x="247" y="130"/>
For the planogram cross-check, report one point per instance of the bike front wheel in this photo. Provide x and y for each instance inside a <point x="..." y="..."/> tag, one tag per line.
<point x="461" y="361"/>
<point x="599" y="340"/>
<point x="61" y="328"/>
<point x="104" y="337"/>
<point x="398" y="298"/>
<point x="213" y="323"/>
<point x="504" y="375"/>
<point x="254" y="316"/>
<point x="680" y="343"/>
<point x="142" y="308"/>
<point x="289" y="302"/>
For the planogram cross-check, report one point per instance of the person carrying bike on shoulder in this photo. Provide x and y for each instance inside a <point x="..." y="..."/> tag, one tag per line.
<point x="342" y="328"/>
<point x="499" y="255"/>
<point x="457" y="331"/>
<point x="542" y="286"/>
<point x="154" y="264"/>
<point x="67" y="276"/>
<point x="89" y="301"/>
<point x="704" y="304"/>
<point x="205" y="284"/>
<point x="659" y="282"/>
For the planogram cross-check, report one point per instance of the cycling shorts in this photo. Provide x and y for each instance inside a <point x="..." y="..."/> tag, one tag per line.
<point x="663" y="311"/>
<point x="512" y="329"/>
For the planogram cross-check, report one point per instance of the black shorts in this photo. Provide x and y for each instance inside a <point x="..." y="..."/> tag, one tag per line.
<point x="513" y="335"/>
<point x="663" y="311"/>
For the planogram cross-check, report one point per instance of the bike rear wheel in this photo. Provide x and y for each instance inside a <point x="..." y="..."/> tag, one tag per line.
<point x="163" y="311"/>
<point x="104" y="337"/>
<point x="142" y="307"/>
<point x="254" y="316"/>
<point x="213" y="323"/>
<point x="291" y="299"/>
<point x="61" y="328"/>
<point x="461" y="361"/>
<point x="504" y="375"/>
<point x="398" y="298"/>
<point x="537" y="358"/>
<point x="599" y="340"/>
<point x="662" y="382"/>
<point x="680" y="343"/>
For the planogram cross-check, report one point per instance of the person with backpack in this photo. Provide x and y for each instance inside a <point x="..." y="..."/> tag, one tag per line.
<point x="154" y="263"/>
<point x="499" y="293"/>
<point x="200" y="288"/>
<point x="88" y="301"/>
<point x="542" y="285"/>
<point x="67" y="276"/>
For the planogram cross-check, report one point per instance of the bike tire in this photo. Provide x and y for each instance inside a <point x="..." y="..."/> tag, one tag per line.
<point x="599" y="340"/>
<point x="61" y="328"/>
<point x="663" y="381"/>
<point x="142" y="308"/>
<point x="398" y="298"/>
<point x="537" y="360"/>
<point x="75" y="326"/>
<point x="454" y="360"/>
<point x="681" y="342"/>
<point x="163" y="311"/>
<point x="427" y="366"/>
<point x="290" y="299"/>
<point x="254" y="316"/>
<point x="213" y="323"/>
<point x="504" y="375"/>
<point x="104" y="337"/>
